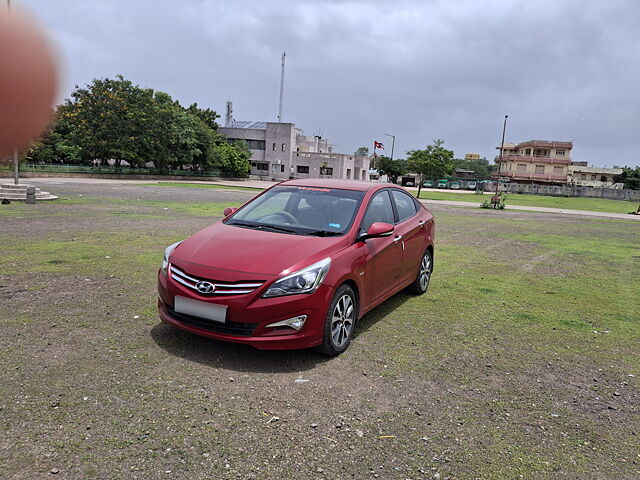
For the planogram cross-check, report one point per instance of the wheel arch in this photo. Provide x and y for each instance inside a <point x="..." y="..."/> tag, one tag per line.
<point x="433" y="259"/>
<point x="356" y="290"/>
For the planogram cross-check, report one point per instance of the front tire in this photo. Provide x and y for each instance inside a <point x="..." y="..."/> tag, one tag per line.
<point x="341" y="318"/>
<point x="423" y="278"/>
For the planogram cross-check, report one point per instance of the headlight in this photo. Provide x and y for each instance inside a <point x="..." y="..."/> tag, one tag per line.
<point x="306" y="280"/>
<point x="165" y="260"/>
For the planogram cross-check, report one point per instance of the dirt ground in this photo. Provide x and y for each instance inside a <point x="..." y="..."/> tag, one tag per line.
<point x="495" y="373"/>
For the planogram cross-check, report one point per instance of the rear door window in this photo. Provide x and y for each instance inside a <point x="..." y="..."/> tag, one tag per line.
<point x="405" y="205"/>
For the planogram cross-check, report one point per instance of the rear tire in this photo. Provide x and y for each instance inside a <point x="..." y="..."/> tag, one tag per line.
<point x="423" y="277"/>
<point x="341" y="318"/>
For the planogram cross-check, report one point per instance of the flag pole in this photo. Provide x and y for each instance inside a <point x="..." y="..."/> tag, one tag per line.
<point x="374" y="155"/>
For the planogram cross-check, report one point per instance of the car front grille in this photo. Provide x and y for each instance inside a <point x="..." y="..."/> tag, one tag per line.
<point x="219" y="288"/>
<point x="230" y="328"/>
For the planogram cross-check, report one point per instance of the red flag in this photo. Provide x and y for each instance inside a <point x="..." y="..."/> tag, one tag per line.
<point x="378" y="145"/>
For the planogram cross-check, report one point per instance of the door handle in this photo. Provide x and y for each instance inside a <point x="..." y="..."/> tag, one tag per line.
<point x="397" y="239"/>
<point x="421" y="223"/>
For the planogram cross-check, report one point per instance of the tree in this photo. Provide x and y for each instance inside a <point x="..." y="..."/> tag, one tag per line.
<point x="233" y="159"/>
<point x="207" y="115"/>
<point x="54" y="145"/>
<point x="432" y="162"/>
<point x="630" y="177"/>
<point x="109" y="118"/>
<point x="480" y="166"/>
<point x="113" y="120"/>
<point x="362" y="151"/>
<point x="391" y="168"/>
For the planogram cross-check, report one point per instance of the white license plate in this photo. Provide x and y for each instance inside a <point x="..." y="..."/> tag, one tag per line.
<point x="210" y="311"/>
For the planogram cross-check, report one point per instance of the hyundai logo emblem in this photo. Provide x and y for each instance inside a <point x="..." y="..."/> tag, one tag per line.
<point x="205" y="287"/>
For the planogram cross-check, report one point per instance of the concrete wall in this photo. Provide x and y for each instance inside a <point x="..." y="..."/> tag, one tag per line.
<point x="566" y="191"/>
<point x="312" y="144"/>
<point x="286" y="148"/>
<point x="279" y="141"/>
<point x="344" y="166"/>
<point x="548" y="169"/>
<point x="280" y="146"/>
<point x="583" y="175"/>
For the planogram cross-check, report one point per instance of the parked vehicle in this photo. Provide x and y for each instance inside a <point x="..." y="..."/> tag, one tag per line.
<point x="454" y="186"/>
<point x="427" y="184"/>
<point x="298" y="265"/>
<point x="443" y="183"/>
<point x="408" y="181"/>
<point x="471" y="185"/>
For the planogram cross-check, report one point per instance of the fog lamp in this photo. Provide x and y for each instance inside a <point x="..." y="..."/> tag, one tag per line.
<point x="296" y="322"/>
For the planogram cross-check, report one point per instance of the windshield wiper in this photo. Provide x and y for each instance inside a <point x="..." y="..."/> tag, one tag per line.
<point x="324" y="233"/>
<point x="275" y="227"/>
<point x="243" y="224"/>
<point x="262" y="226"/>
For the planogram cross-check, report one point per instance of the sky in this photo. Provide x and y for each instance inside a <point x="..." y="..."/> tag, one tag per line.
<point x="356" y="70"/>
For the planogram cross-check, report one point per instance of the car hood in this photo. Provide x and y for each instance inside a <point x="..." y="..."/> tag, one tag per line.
<point x="254" y="251"/>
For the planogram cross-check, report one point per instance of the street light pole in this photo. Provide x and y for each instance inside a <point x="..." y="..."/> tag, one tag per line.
<point x="504" y="128"/>
<point x="393" y="143"/>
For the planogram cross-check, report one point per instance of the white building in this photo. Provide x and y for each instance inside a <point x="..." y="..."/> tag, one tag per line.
<point x="584" y="176"/>
<point x="280" y="151"/>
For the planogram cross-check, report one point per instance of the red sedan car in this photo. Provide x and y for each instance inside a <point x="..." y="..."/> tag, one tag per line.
<point x="298" y="265"/>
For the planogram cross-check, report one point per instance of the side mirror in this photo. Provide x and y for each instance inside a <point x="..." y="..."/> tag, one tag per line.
<point x="229" y="210"/>
<point x="377" y="230"/>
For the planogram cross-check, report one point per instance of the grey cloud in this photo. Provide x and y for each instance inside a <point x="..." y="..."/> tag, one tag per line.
<point x="356" y="70"/>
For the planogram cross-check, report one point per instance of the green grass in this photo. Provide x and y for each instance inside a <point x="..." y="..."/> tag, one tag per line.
<point x="495" y="364"/>
<point x="132" y="209"/>
<point x="572" y="203"/>
<point x="125" y="207"/>
<point x="86" y="254"/>
<point x="551" y="284"/>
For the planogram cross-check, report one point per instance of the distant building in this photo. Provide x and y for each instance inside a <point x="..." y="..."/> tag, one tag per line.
<point x="280" y="151"/>
<point x="535" y="161"/>
<point x="465" y="174"/>
<point x="584" y="176"/>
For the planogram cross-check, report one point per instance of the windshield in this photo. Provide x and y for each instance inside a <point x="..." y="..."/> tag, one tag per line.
<point x="301" y="210"/>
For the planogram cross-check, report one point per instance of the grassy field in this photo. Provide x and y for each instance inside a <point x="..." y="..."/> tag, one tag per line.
<point x="521" y="361"/>
<point x="573" y="203"/>
<point x="589" y="204"/>
<point x="205" y="185"/>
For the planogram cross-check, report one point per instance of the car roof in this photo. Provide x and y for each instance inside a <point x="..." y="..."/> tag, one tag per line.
<point x="329" y="183"/>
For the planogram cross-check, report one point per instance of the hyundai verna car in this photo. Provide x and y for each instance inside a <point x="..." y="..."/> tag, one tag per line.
<point x="298" y="265"/>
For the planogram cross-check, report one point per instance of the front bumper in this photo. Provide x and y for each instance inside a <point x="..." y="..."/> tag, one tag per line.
<point x="248" y="315"/>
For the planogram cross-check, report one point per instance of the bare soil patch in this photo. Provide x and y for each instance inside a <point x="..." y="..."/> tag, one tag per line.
<point x="476" y="379"/>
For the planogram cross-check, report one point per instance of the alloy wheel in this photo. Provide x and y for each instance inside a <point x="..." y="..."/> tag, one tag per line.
<point x="342" y="320"/>
<point x="425" y="271"/>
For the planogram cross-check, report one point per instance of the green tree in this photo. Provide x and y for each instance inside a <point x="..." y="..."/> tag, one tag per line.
<point x="630" y="177"/>
<point x="171" y="141"/>
<point x="207" y="115"/>
<point x="233" y="158"/>
<point x="54" y="146"/>
<point x="109" y="118"/>
<point x="433" y="162"/>
<point x="115" y="120"/>
<point x="480" y="166"/>
<point x="391" y="168"/>
<point x="362" y="151"/>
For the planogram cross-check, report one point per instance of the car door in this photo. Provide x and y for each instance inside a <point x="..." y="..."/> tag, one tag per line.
<point x="411" y="228"/>
<point x="383" y="257"/>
